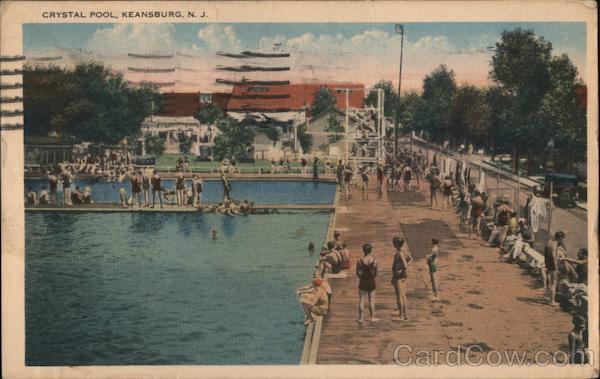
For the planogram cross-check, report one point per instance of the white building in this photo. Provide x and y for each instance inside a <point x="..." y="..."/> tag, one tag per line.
<point x="174" y="130"/>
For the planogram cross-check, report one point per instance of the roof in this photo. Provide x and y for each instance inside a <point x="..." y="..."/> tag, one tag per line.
<point x="187" y="104"/>
<point x="300" y="96"/>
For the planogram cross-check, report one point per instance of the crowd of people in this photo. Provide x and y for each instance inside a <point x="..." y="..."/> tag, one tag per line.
<point x="498" y="222"/>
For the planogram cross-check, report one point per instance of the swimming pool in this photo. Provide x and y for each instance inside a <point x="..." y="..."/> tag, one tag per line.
<point x="259" y="191"/>
<point x="154" y="288"/>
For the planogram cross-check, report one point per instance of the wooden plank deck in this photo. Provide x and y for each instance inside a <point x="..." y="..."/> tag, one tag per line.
<point x="483" y="301"/>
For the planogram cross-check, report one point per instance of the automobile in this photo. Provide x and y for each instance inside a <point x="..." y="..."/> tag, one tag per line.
<point x="564" y="189"/>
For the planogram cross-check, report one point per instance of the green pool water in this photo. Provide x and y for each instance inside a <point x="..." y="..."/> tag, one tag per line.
<point x="127" y="289"/>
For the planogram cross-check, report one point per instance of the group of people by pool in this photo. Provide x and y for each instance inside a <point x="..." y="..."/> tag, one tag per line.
<point x="335" y="256"/>
<point x="146" y="189"/>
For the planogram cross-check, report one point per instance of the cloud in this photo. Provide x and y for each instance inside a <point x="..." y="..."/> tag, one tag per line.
<point x="219" y="37"/>
<point x="134" y="38"/>
<point x="429" y="43"/>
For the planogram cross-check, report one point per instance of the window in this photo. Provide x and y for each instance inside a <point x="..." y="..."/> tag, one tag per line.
<point x="205" y="98"/>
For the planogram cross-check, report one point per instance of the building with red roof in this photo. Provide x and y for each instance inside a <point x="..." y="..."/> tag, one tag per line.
<point x="291" y="97"/>
<point x="262" y="98"/>
<point x="187" y="104"/>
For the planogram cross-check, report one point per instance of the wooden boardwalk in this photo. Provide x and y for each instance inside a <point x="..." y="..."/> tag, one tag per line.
<point x="484" y="302"/>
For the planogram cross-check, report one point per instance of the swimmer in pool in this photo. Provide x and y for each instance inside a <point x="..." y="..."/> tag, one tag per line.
<point x="213" y="234"/>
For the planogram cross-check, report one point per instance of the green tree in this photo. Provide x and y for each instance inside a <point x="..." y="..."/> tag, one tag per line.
<point x="500" y="131"/>
<point x="185" y="145"/>
<point x="439" y="89"/>
<point x="273" y="134"/>
<point x="390" y="100"/>
<point x="88" y="102"/>
<point x="154" y="144"/>
<point x="468" y="116"/>
<point x="563" y="116"/>
<point x="305" y="139"/>
<point x="334" y="126"/>
<point x="410" y="105"/>
<point x="234" y="141"/>
<point x="209" y="114"/>
<point x="521" y="68"/>
<point x="323" y="101"/>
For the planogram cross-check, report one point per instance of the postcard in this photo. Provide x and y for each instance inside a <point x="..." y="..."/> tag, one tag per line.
<point x="299" y="189"/>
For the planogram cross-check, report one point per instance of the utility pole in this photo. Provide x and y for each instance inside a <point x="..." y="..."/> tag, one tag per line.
<point x="399" y="28"/>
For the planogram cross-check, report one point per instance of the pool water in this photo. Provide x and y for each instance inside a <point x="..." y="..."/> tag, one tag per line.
<point x="258" y="191"/>
<point x="155" y="288"/>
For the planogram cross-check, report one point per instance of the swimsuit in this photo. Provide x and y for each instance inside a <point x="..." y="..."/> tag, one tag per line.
<point x="155" y="184"/>
<point x="180" y="184"/>
<point x="367" y="278"/>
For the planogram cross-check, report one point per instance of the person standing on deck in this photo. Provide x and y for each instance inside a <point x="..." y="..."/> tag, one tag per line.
<point x="136" y="190"/>
<point x="366" y="271"/>
<point x="52" y="185"/>
<point x="198" y="188"/>
<point x="156" y="182"/>
<point x="433" y="187"/>
<point x="551" y="263"/>
<point x="364" y="174"/>
<point x="339" y="174"/>
<point x="432" y="263"/>
<point x="179" y="188"/>
<point x="347" y="174"/>
<point x="316" y="168"/>
<point x="380" y="177"/>
<point x="399" y="275"/>
<point x="66" y="178"/>
<point x="146" y="187"/>
<point x="226" y="188"/>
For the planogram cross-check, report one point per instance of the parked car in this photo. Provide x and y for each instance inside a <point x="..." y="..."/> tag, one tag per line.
<point x="564" y="189"/>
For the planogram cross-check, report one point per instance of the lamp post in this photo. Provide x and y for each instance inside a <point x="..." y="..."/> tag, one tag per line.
<point x="399" y="28"/>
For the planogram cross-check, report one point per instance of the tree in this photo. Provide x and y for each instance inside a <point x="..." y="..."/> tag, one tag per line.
<point x="390" y="100"/>
<point x="273" y="134"/>
<point x="500" y="132"/>
<point x="234" y="141"/>
<point x="154" y="144"/>
<point x="209" y="114"/>
<point x="88" y="102"/>
<point x="305" y="139"/>
<point x="409" y="105"/>
<point x="323" y="101"/>
<point x="563" y="116"/>
<point x="439" y="88"/>
<point x="185" y="145"/>
<point x="521" y="68"/>
<point x="468" y="116"/>
<point x="334" y="126"/>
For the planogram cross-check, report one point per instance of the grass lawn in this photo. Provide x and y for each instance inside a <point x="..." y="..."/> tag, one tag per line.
<point x="169" y="161"/>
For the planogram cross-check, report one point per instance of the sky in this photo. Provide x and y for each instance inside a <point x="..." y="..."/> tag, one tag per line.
<point x="341" y="52"/>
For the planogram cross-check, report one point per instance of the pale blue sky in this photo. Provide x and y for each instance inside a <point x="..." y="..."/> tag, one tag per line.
<point x="328" y="51"/>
